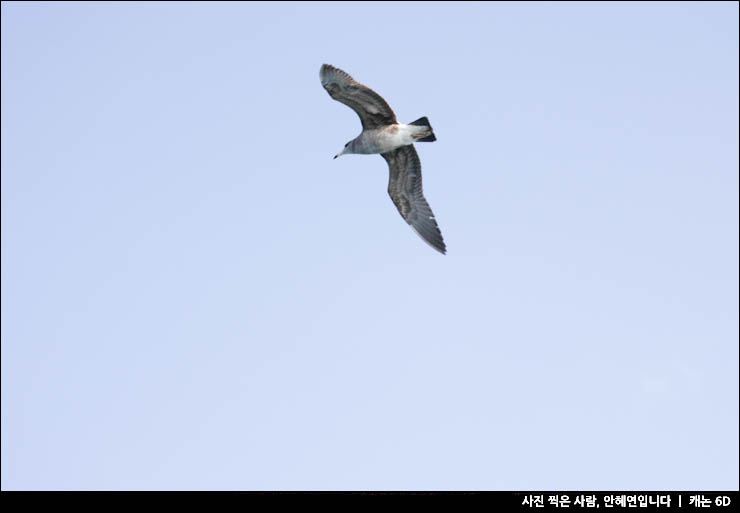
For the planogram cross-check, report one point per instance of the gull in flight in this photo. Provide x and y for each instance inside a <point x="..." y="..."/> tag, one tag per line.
<point x="382" y="133"/>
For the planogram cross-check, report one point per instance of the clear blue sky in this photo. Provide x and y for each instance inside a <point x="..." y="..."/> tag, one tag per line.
<point x="196" y="296"/>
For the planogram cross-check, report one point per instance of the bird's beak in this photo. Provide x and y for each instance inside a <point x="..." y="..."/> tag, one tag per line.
<point x="339" y="154"/>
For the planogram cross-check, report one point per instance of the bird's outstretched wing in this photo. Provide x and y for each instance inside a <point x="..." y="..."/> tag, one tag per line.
<point x="373" y="110"/>
<point x="405" y="190"/>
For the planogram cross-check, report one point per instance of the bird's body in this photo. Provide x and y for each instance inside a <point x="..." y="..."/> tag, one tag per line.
<point x="394" y="141"/>
<point x="387" y="138"/>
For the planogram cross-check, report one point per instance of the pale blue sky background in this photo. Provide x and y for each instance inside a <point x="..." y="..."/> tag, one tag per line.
<point x="196" y="296"/>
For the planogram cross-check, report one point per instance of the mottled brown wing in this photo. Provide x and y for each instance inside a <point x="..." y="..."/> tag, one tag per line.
<point x="404" y="187"/>
<point x="373" y="110"/>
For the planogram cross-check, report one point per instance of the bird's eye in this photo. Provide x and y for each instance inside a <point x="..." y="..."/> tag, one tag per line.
<point x="346" y="145"/>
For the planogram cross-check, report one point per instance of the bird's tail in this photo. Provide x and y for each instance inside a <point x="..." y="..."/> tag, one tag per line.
<point x="425" y="123"/>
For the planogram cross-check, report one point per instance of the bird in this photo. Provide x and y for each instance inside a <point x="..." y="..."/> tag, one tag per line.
<point x="394" y="141"/>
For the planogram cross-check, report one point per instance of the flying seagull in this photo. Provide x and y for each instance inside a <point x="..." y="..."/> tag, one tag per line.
<point x="382" y="133"/>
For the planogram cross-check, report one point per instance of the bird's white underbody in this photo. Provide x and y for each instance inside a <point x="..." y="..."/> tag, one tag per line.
<point x="384" y="139"/>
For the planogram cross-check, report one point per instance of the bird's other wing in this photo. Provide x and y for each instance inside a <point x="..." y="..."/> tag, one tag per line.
<point x="373" y="110"/>
<point x="404" y="187"/>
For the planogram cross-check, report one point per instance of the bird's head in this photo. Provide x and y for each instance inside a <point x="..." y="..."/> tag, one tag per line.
<point x="347" y="149"/>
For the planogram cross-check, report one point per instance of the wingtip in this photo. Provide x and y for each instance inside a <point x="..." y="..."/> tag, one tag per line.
<point x="329" y="73"/>
<point x="442" y="249"/>
<point x="326" y="68"/>
<point x="438" y="245"/>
